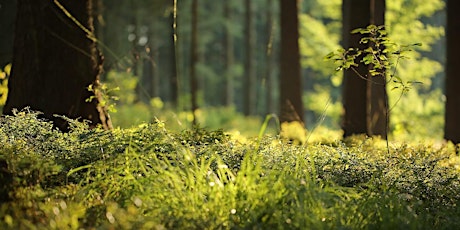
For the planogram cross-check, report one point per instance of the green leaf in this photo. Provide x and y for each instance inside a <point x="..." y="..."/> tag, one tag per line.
<point x="359" y="30"/>
<point x="329" y="56"/>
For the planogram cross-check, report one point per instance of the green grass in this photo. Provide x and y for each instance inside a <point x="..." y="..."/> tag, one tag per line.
<point x="149" y="177"/>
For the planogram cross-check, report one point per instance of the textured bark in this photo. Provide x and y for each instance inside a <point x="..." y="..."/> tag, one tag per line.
<point x="54" y="62"/>
<point x="364" y="100"/>
<point x="452" y="113"/>
<point x="290" y="78"/>
<point x="377" y="106"/>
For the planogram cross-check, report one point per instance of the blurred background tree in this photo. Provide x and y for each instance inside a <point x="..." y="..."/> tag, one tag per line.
<point x="452" y="126"/>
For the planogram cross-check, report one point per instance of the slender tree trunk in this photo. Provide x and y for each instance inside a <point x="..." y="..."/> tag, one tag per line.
<point x="151" y="62"/>
<point x="377" y="106"/>
<point x="229" y="55"/>
<point x="173" y="79"/>
<point x="290" y="76"/>
<point x="452" y="113"/>
<point x="194" y="59"/>
<point x="355" y="15"/>
<point x="364" y="100"/>
<point x="55" y="60"/>
<point x="146" y="84"/>
<point x="270" y="62"/>
<point x="135" y="38"/>
<point x="249" y="67"/>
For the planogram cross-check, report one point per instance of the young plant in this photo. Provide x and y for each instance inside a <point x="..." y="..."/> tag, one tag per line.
<point x="382" y="56"/>
<point x="103" y="93"/>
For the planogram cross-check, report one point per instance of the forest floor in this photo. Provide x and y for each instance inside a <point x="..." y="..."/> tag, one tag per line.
<point x="149" y="177"/>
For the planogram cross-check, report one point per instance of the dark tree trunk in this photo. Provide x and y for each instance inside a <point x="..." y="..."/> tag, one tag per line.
<point x="249" y="66"/>
<point x="377" y="108"/>
<point x="7" y="12"/>
<point x="194" y="59"/>
<point x="290" y="76"/>
<point x="364" y="100"/>
<point x="355" y="14"/>
<point x="229" y="56"/>
<point x="452" y="113"/>
<point x="54" y="62"/>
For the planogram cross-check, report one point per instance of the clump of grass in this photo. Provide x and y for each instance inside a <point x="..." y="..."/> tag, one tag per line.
<point x="148" y="177"/>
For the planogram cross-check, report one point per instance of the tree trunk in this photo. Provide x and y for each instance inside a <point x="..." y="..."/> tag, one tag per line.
<point x="173" y="77"/>
<point x="146" y="86"/>
<point x="7" y="12"/>
<point x="229" y="56"/>
<point x="55" y="60"/>
<point x="377" y="106"/>
<point x="194" y="59"/>
<point x="355" y="15"/>
<point x="452" y="113"/>
<point x="290" y="76"/>
<point x="364" y="100"/>
<point x="249" y="66"/>
<point x="134" y="38"/>
<point x="270" y="61"/>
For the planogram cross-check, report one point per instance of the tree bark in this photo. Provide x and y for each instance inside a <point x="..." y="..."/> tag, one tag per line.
<point x="194" y="59"/>
<point x="364" y="100"/>
<point x="55" y="60"/>
<point x="377" y="106"/>
<point x="290" y="75"/>
<point x="452" y="113"/>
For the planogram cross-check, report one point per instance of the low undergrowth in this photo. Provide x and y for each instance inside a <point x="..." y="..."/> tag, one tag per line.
<point x="150" y="178"/>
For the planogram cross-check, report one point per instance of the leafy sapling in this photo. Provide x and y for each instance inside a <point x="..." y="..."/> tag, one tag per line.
<point x="381" y="55"/>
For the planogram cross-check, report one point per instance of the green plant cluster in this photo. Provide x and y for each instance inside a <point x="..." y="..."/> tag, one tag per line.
<point x="4" y="75"/>
<point x="148" y="177"/>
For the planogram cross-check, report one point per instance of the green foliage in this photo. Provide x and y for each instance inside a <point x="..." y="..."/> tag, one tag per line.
<point x="386" y="58"/>
<point x="322" y="19"/>
<point x="102" y="93"/>
<point x="4" y="75"/>
<point x="329" y="109"/>
<point x="382" y="56"/>
<point x="424" y="105"/>
<point x="119" y="87"/>
<point x="147" y="177"/>
<point x="226" y="118"/>
<point x="426" y="116"/>
<point x="312" y="44"/>
<point x="407" y="22"/>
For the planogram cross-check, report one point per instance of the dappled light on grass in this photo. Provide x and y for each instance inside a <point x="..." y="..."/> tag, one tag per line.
<point x="148" y="177"/>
